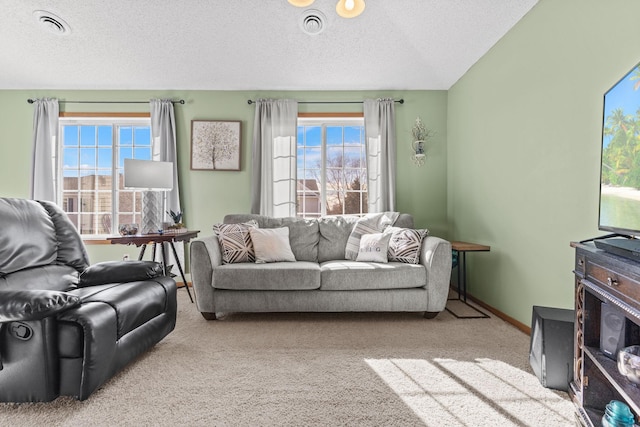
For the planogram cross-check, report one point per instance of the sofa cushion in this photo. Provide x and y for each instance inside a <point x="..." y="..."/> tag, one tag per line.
<point x="371" y="223"/>
<point x="304" y="234"/>
<point x="405" y="244"/>
<point x="299" y="275"/>
<point x="52" y="277"/>
<point x="134" y="303"/>
<point x="349" y="275"/>
<point x="374" y="247"/>
<point x="271" y="245"/>
<point x="235" y="242"/>
<point x="334" y="233"/>
<point x="28" y="238"/>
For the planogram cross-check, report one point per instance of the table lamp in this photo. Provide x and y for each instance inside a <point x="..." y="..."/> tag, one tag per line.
<point x="153" y="177"/>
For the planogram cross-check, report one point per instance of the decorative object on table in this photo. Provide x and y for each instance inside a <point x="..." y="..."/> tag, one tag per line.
<point x="177" y="226"/>
<point x="155" y="178"/>
<point x="215" y="145"/>
<point x="629" y="363"/>
<point x="420" y="135"/>
<point x="617" y="414"/>
<point x="128" y="229"/>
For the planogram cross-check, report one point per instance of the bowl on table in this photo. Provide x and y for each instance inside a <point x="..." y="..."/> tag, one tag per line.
<point x="128" y="229"/>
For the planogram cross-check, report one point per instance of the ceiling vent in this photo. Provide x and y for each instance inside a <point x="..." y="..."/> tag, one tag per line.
<point x="313" y="22"/>
<point x="51" y="22"/>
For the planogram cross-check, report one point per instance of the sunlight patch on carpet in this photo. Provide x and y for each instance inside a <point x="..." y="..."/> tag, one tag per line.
<point x="483" y="392"/>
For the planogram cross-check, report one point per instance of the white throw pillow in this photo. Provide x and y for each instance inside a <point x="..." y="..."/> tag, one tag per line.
<point x="271" y="245"/>
<point x="371" y="223"/>
<point x="373" y="247"/>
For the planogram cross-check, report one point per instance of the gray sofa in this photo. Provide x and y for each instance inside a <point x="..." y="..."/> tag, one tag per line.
<point x="321" y="279"/>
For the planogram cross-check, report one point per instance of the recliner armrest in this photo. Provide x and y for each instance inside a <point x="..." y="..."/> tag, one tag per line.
<point x="25" y="305"/>
<point x="119" y="272"/>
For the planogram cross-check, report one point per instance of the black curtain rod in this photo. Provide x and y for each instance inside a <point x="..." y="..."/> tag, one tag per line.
<point x="399" y="101"/>
<point x="31" y="101"/>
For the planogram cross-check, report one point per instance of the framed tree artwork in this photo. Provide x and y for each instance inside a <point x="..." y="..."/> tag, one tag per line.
<point x="215" y="145"/>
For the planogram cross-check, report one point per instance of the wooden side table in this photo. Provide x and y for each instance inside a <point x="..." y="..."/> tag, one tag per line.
<point x="142" y="240"/>
<point x="460" y="249"/>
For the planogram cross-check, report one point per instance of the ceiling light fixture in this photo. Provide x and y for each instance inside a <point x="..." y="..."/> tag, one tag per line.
<point x="349" y="8"/>
<point x="301" y="3"/>
<point x="344" y="8"/>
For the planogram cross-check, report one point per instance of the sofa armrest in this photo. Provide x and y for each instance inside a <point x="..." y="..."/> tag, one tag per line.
<point x="436" y="257"/>
<point x="25" y="305"/>
<point x="119" y="272"/>
<point x="205" y="255"/>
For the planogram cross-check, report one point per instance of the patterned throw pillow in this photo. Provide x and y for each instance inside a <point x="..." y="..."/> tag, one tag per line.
<point x="235" y="242"/>
<point x="405" y="244"/>
<point x="374" y="247"/>
<point x="372" y="223"/>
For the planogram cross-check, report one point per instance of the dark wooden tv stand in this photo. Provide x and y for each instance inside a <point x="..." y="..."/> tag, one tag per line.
<point x="602" y="277"/>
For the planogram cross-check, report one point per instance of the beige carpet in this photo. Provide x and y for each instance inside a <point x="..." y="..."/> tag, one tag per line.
<point x="319" y="369"/>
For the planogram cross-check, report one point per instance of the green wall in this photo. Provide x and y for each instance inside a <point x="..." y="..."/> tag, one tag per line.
<point x="207" y="196"/>
<point x="524" y="148"/>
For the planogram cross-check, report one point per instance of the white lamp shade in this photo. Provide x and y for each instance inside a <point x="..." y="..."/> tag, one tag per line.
<point x="148" y="174"/>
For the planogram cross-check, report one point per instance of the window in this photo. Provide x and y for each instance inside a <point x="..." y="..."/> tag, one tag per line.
<point x="331" y="167"/>
<point x="90" y="162"/>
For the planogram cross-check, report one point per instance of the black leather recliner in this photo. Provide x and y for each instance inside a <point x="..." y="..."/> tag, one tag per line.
<point x="67" y="327"/>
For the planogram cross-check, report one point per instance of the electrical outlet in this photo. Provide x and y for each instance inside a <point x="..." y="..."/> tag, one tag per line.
<point x="125" y="257"/>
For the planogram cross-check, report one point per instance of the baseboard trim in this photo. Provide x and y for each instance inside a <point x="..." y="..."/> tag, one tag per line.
<point x="519" y="325"/>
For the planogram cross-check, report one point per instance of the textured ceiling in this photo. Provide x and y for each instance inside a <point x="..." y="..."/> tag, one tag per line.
<point x="248" y="44"/>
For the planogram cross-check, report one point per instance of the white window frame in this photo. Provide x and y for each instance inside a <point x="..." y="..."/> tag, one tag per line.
<point x="116" y="121"/>
<point x="324" y="122"/>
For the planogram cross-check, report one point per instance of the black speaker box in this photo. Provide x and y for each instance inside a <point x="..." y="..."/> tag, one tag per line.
<point x="612" y="330"/>
<point x="551" y="349"/>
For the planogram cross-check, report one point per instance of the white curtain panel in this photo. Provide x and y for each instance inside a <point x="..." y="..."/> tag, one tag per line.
<point x="163" y="134"/>
<point x="273" y="190"/>
<point x="380" y="135"/>
<point x="45" y="134"/>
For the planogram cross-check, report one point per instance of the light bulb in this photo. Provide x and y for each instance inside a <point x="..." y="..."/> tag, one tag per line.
<point x="350" y="8"/>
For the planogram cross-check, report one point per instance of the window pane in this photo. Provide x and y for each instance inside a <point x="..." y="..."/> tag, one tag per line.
<point x="352" y="135"/>
<point x="335" y="157"/>
<point x="105" y="158"/>
<point x="105" y="135"/>
<point x="87" y="182"/>
<point x="87" y="158"/>
<point x="142" y="136"/>
<point x="142" y="153"/>
<point x="125" y="153"/>
<point x="334" y="135"/>
<point x="87" y="135"/>
<point x="70" y="182"/>
<point x="126" y="136"/>
<point x="70" y="158"/>
<point x="352" y="157"/>
<point x="312" y="136"/>
<point x="70" y="135"/>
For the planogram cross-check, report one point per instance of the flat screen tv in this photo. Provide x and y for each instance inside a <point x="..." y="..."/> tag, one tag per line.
<point x="620" y="166"/>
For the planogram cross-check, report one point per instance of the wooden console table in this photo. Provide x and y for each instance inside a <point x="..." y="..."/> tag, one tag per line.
<point x="142" y="240"/>
<point x="460" y="249"/>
